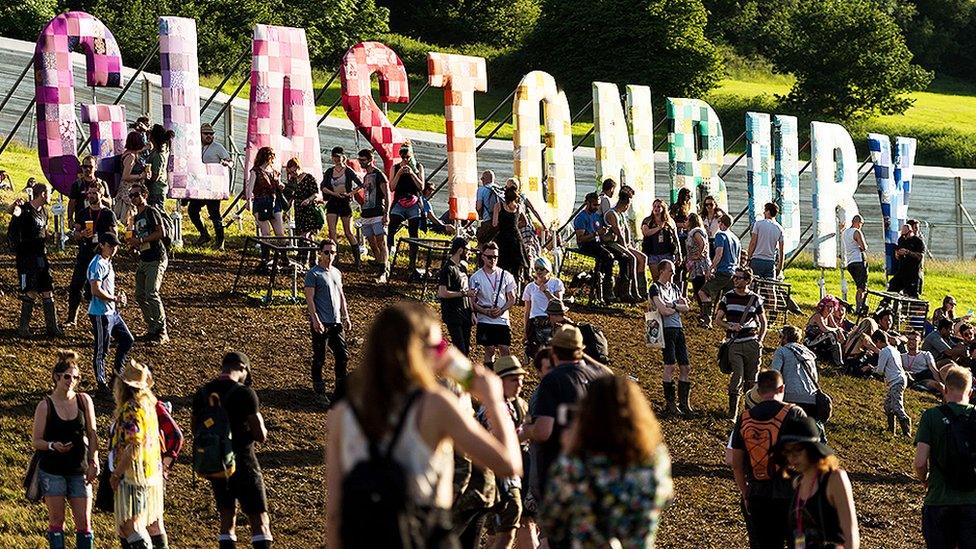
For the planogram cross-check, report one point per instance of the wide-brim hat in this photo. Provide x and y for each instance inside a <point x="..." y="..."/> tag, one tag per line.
<point x="804" y="431"/>
<point x="567" y="337"/>
<point x="137" y="375"/>
<point x="206" y="127"/>
<point x="556" y="307"/>
<point x="508" y="366"/>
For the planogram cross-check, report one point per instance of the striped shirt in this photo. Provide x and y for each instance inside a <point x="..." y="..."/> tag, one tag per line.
<point x="734" y="307"/>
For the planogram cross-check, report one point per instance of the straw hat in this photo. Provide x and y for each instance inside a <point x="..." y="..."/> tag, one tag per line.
<point x="508" y="366"/>
<point x="567" y="337"/>
<point x="556" y="307"/>
<point x="137" y="375"/>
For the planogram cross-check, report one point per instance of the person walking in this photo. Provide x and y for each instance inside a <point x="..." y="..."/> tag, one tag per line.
<point x="396" y="405"/>
<point x="28" y="233"/>
<point x="856" y="261"/>
<point x="213" y="153"/>
<point x="766" y="246"/>
<point x="615" y="452"/>
<point x="536" y="296"/>
<point x="698" y="262"/>
<point x="339" y="183"/>
<point x="147" y="239"/>
<point x="135" y="456"/>
<point x="764" y="489"/>
<point x="78" y="196"/>
<point x="666" y="298"/>
<point x="949" y="508"/>
<point x="328" y="316"/>
<point x="494" y="296"/>
<point x="741" y="314"/>
<point x="103" y="311"/>
<point x="91" y="221"/>
<point x="375" y="215"/>
<point x="798" y="366"/>
<point x="456" y="296"/>
<point x="822" y="513"/>
<point x="69" y="453"/>
<point x="308" y="203"/>
<point x="890" y="368"/>
<point x="511" y="254"/>
<point x="240" y="403"/>
<point x="724" y="262"/>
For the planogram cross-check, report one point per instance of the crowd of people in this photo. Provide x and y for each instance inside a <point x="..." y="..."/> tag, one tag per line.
<point x="426" y="448"/>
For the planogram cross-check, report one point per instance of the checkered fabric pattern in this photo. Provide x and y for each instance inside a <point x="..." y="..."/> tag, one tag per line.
<point x="620" y="147"/>
<point x="834" y="183"/>
<point x="189" y="177"/>
<point x="106" y="126"/>
<point x="54" y="87"/>
<point x="460" y="76"/>
<point x="358" y="65"/>
<point x="282" y="105"/>
<point x="764" y="169"/>
<point x="555" y="197"/>
<point x="894" y="177"/>
<point x="687" y="167"/>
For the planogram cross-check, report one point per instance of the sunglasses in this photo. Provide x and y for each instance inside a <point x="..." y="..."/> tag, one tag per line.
<point x="134" y="195"/>
<point x="69" y="376"/>
<point x="739" y="277"/>
<point x="439" y="348"/>
<point x="489" y="256"/>
<point x="327" y="252"/>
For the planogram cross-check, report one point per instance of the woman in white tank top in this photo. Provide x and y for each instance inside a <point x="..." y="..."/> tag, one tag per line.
<point x="403" y="353"/>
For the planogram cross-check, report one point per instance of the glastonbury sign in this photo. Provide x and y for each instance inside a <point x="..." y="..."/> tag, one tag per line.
<point x="282" y="115"/>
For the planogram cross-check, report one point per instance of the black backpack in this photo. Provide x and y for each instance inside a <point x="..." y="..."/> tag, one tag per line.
<point x="213" y="451"/>
<point x="376" y="507"/>
<point x="595" y="343"/>
<point x="959" y="468"/>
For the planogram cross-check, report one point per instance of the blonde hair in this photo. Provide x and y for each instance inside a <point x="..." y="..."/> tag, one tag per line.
<point x="958" y="378"/>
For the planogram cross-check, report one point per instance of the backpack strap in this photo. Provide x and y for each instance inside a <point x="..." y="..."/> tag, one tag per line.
<point x="401" y="422"/>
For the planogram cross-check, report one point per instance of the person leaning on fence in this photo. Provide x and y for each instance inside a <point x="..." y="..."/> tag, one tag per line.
<point x="147" y="239"/>
<point x="764" y="491"/>
<point x="69" y="453"/>
<point x="590" y="232"/>
<point x="665" y="296"/>
<point x="890" y="368"/>
<point x="28" y="233"/>
<point x="455" y="295"/>
<point x="395" y="402"/>
<point x="613" y="480"/>
<point x="949" y="508"/>
<point x="213" y="153"/>
<point x="742" y="315"/>
<point x="724" y="261"/>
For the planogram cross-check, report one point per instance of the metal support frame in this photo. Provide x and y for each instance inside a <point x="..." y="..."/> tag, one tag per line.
<point x="229" y="101"/>
<point x="322" y="91"/>
<point x="16" y="84"/>
<point x="412" y="103"/>
<point x="20" y="121"/>
<point x="227" y="76"/>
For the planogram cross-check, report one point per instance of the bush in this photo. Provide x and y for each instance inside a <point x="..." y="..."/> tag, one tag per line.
<point x="499" y="23"/>
<point x="659" y="43"/>
<point x="849" y="58"/>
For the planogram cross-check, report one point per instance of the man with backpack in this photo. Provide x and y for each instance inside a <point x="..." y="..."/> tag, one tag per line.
<point x="595" y="343"/>
<point x="766" y="494"/>
<point x="26" y="236"/>
<point x="226" y="423"/>
<point x="488" y="195"/>
<point x="146" y="237"/>
<point x="945" y="462"/>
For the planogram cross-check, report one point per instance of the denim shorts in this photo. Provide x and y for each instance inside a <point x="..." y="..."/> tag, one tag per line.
<point x="376" y="228"/>
<point x="72" y="486"/>
<point x="265" y="207"/>
<point x="763" y="268"/>
<point x="405" y="212"/>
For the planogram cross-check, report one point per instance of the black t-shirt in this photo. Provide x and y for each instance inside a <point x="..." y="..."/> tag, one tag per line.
<point x="146" y="223"/>
<point x="907" y="264"/>
<point x="105" y="222"/>
<point x="240" y="405"/>
<point x="764" y="411"/>
<point x="456" y="280"/>
<point x="32" y="229"/>
<point x="565" y="385"/>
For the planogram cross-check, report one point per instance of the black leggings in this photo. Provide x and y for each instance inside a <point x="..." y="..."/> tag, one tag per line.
<point x="79" y="280"/>
<point x="413" y="229"/>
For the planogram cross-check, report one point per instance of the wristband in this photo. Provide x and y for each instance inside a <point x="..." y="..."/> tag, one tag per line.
<point x="50" y="446"/>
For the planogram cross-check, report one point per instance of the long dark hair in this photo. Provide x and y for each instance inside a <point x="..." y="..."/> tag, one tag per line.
<point x="262" y="157"/>
<point x="159" y="136"/>
<point x="394" y="362"/>
<point x="616" y="421"/>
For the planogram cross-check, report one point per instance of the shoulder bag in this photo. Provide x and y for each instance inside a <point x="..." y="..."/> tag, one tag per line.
<point x="823" y="404"/>
<point x="724" y="365"/>
<point x="32" y="480"/>
<point x="654" y="324"/>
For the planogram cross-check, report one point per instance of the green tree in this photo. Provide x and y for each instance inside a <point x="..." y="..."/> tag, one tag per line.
<point x="942" y="35"/>
<point x="24" y="20"/>
<point x="849" y="58"/>
<point x="658" y="43"/>
<point x="499" y="23"/>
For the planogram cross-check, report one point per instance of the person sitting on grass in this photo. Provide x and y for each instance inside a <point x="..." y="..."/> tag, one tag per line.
<point x="886" y="323"/>
<point x="920" y="366"/>
<point x="860" y="353"/>
<point x="890" y="368"/>
<point x="823" y="336"/>
<point x="942" y="345"/>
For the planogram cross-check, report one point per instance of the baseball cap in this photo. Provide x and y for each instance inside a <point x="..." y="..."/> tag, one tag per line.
<point x="567" y="337"/>
<point x="543" y="263"/>
<point x="508" y="366"/>
<point x="108" y="238"/>
<point x="234" y="359"/>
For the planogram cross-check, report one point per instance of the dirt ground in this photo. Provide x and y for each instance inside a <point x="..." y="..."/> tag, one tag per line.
<point x="206" y="320"/>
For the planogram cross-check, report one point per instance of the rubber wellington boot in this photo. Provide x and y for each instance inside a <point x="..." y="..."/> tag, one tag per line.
<point x="734" y="399"/>
<point x="51" y="318"/>
<point x="906" y="426"/>
<point x="891" y="424"/>
<point x="26" y="312"/>
<point x="684" y="399"/>
<point x="670" y="408"/>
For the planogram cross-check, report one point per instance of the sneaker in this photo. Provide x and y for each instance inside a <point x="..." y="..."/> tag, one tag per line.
<point x="219" y="245"/>
<point x="158" y="339"/>
<point x="381" y="279"/>
<point x="148" y="336"/>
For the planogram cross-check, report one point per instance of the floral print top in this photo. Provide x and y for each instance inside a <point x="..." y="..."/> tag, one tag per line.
<point x="590" y="500"/>
<point x="137" y="426"/>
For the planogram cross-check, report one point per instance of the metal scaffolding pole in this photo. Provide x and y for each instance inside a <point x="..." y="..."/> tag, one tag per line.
<point x="227" y="77"/>
<point x="20" y="121"/>
<point x="16" y="84"/>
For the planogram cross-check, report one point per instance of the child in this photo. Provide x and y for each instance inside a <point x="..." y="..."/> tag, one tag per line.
<point x="889" y="366"/>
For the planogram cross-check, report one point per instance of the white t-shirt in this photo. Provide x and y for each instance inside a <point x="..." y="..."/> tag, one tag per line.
<point x="214" y="153"/>
<point x="852" y="252"/>
<point x="918" y="363"/>
<point x="492" y="289"/>
<point x="889" y="366"/>
<point x="768" y="234"/>
<point x="537" y="299"/>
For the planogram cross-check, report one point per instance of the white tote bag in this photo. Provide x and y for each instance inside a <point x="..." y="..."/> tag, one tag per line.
<point x="654" y="329"/>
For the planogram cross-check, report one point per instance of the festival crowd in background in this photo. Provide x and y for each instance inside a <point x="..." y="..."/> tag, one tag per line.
<point x="425" y="448"/>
